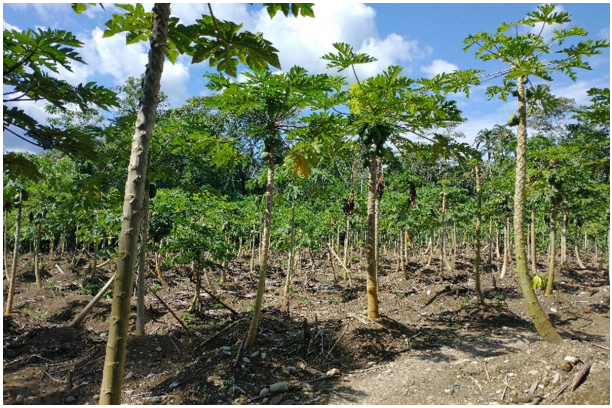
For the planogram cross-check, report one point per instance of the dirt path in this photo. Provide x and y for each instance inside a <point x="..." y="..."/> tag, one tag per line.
<point x="432" y="345"/>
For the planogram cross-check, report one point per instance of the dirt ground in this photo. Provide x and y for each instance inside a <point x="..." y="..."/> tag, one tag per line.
<point x="432" y="345"/>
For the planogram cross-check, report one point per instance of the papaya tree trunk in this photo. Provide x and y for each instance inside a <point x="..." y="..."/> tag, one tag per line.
<point x="261" y="286"/>
<point x="490" y="239"/>
<point x="291" y="243"/>
<point x="497" y="253"/>
<point x="140" y="300"/>
<point x="540" y="319"/>
<point x="534" y="254"/>
<point x="37" y="255"/>
<point x="504" y="269"/>
<point x="551" y="253"/>
<point x="477" y="237"/>
<point x="346" y="244"/>
<point x="11" y="292"/>
<point x="4" y="249"/>
<point x="371" y="247"/>
<point x="252" y="266"/>
<point x="577" y="250"/>
<point x="112" y="375"/>
<point x="563" y="242"/>
<point x="431" y="246"/>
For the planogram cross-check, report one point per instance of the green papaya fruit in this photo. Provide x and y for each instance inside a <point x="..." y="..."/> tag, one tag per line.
<point x="515" y="93"/>
<point x="264" y="155"/>
<point x="529" y="93"/>
<point x="513" y="120"/>
<point x="376" y="135"/>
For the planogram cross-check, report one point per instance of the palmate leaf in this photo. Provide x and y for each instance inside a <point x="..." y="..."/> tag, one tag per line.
<point x="305" y="9"/>
<point x="300" y="166"/>
<point x="346" y="57"/>
<point x="17" y="166"/>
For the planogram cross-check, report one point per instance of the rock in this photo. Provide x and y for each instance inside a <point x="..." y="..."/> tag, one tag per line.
<point x="129" y="392"/>
<point x="246" y="360"/>
<point x="20" y="397"/>
<point x="279" y="387"/>
<point x="174" y="384"/>
<point x="276" y="400"/>
<point x="564" y="365"/>
<point x="127" y="376"/>
<point x="533" y="372"/>
<point x="572" y="360"/>
<point x="332" y="372"/>
<point x="155" y="400"/>
<point x="255" y="354"/>
<point x="263" y="356"/>
<point x="103" y="334"/>
<point x="158" y="349"/>
<point x="265" y="400"/>
<point x="264" y="391"/>
<point x="510" y="374"/>
<point x="556" y="378"/>
<point x="553" y="310"/>
<point x="447" y="391"/>
<point x="370" y="364"/>
<point x="96" y="397"/>
<point x="226" y="348"/>
<point x="209" y="361"/>
<point x="301" y="365"/>
<point x="291" y="369"/>
<point x="287" y="402"/>
<point x="70" y="398"/>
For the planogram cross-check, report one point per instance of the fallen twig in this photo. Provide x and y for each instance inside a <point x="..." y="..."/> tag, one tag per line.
<point x="487" y="371"/>
<point x="60" y="269"/>
<point x="189" y="331"/>
<point x="214" y="336"/>
<point x="580" y="375"/>
<point x="238" y="354"/>
<point x="503" y="393"/>
<point x="473" y="379"/>
<point x="235" y="313"/>
<point x="339" y="337"/>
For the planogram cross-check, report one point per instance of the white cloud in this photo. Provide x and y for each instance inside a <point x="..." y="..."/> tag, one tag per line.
<point x="438" y="66"/>
<point x="604" y="33"/>
<point x="7" y="26"/>
<point x="303" y="41"/>
<point x="578" y="90"/>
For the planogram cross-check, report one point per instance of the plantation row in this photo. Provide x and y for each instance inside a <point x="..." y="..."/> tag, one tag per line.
<point x="302" y="163"/>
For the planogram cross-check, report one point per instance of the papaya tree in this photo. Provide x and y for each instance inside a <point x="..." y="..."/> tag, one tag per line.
<point x="272" y="102"/>
<point x="385" y="108"/>
<point x="528" y="55"/>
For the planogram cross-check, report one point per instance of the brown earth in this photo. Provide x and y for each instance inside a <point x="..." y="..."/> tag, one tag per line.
<point x="432" y="345"/>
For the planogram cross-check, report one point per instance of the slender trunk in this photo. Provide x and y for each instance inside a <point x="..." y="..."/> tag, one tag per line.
<point x="490" y="239"/>
<point x="563" y="242"/>
<point x="577" y="250"/>
<point x="553" y="238"/>
<point x="534" y="254"/>
<point x="376" y="236"/>
<point x="195" y="302"/>
<point x="261" y="286"/>
<point x="94" y="268"/>
<point x="402" y="244"/>
<point x="497" y="253"/>
<point x="372" y="284"/>
<point x="477" y="237"/>
<point x="290" y="261"/>
<point x="543" y="325"/>
<point x="140" y="300"/>
<point x="4" y="229"/>
<point x="11" y="292"/>
<point x="346" y="243"/>
<point x="595" y="255"/>
<point x="252" y="266"/>
<point x="37" y="255"/>
<point x="431" y="246"/>
<point x="112" y="376"/>
<point x="406" y="243"/>
<point x="225" y="264"/>
<point x="454" y="243"/>
<point x="504" y="269"/>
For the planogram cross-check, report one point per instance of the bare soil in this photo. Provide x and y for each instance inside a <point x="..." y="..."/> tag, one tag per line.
<point x="432" y="345"/>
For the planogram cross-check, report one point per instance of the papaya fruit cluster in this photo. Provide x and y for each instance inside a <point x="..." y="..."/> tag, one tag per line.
<point x="373" y="138"/>
<point x="265" y="150"/>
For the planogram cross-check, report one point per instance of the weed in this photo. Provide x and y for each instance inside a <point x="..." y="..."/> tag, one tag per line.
<point x="334" y="301"/>
<point x="465" y="302"/>
<point x="499" y="300"/>
<point x="539" y="281"/>
<point x="189" y="318"/>
<point x="154" y="288"/>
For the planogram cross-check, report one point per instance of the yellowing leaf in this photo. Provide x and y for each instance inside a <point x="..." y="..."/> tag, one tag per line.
<point x="527" y="191"/>
<point x="300" y="166"/>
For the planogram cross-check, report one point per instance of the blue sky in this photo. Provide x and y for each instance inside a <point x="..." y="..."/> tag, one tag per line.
<point x="423" y="38"/>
